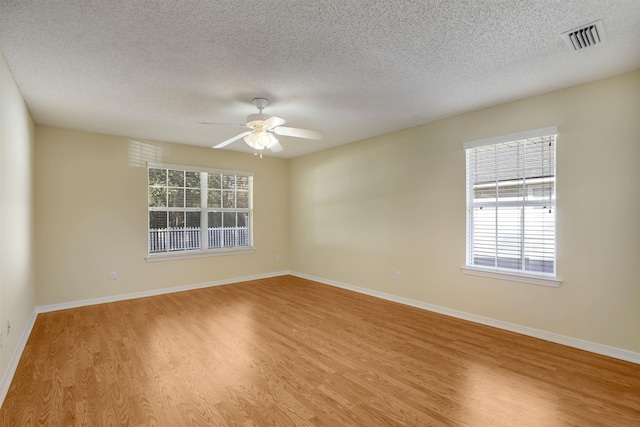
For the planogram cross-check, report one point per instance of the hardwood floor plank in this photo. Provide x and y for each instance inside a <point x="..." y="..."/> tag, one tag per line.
<point x="288" y="351"/>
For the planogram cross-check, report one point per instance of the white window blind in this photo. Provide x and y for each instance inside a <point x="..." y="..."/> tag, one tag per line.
<point x="194" y="209"/>
<point x="511" y="202"/>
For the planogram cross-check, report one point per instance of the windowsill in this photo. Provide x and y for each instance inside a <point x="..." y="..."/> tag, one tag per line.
<point x="170" y="256"/>
<point x="496" y="273"/>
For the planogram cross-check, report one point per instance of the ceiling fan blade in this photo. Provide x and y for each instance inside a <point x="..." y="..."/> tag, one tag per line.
<point x="276" y="147"/>
<point x="298" y="133"/>
<point x="224" y="124"/>
<point x="274" y="121"/>
<point x="232" y="139"/>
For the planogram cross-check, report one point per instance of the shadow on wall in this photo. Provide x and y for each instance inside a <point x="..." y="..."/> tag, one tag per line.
<point x="142" y="152"/>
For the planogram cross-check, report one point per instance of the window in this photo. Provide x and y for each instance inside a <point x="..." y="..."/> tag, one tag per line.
<point x="195" y="211"/>
<point x="511" y="205"/>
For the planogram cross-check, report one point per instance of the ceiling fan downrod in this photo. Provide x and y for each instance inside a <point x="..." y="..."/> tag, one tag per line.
<point x="260" y="103"/>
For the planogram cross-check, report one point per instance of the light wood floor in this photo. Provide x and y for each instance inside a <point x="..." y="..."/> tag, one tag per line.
<point x="286" y="351"/>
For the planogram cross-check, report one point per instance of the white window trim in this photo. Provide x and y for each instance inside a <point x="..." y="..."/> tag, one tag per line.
<point x="200" y="253"/>
<point x="506" y="274"/>
<point x="170" y="256"/>
<point x="533" y="133"/>
<point x="514" y="276"/>
<point x="198" y="169"/>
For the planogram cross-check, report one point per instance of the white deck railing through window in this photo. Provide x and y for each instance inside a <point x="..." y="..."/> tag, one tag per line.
<point x="188" y="238"/>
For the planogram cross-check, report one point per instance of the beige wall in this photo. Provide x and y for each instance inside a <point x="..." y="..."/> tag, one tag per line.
<point x="361" y="212"/>
<point x="17" y="288"/>
<point x="358" y="213"/>
<point x="91" y="216"/>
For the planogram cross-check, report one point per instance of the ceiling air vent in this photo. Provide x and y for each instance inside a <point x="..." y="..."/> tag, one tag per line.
<point x="585" y="36"/>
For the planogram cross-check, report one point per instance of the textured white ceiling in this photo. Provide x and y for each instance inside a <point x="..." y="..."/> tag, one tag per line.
<point x="350" y="68"/>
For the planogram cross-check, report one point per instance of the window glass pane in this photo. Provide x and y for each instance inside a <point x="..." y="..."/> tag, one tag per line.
<point x="484" y="237"/>
<point x="229" y="219"/>
<point x="215" y="199"/>
<point x="192" y="198"/>
<point x="176" y="219"/>
<point x="229" y="182"/>
<point x="192" y="231"/>
<point x="242" y="183"/>
<point x="176" y="198"/>
<point x="228" y="199"/>
<point x="175" y="239"/>
<point x="176" y="178"/>
<point x="215" y="219"/>
<point x="214" y="181"/>
<point x="540" y="153"/>
<point x="511" y="189"/>
<point x="539" y="245"/>
<point x="157" y="231"/>
<point x="484" y="160"/>
<point x="229" y="229"/>
<point x="157" y="176"/>
<point x="192" y="179"/>
<point x="215" y="234"/>
<point x="541" y="189"/>
<point x="193" y="220"/>
<point x="158" y="219"/>
<point x="243" y="219"/>
<point x="242" y="232"/>
<point x="157" y="197"/>
<point x="242" y="200"/>
<point x="508" y="161"/>
<point x="485" y="192"/>
<point x="509" y="237"/>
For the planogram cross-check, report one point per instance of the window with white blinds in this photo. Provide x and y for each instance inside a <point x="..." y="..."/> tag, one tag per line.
<point x="194" y="210"/>
<point x="511" y="203"/>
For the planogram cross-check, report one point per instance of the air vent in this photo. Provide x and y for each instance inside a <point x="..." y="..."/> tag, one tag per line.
<point x="585" y="36"/>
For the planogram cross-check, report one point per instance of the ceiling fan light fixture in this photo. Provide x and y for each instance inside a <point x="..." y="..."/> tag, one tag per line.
<point x="271" y="140"/>
<point x="252" y="141"/>
<point x="263" y="139"/>
<point x="260" y="139"/>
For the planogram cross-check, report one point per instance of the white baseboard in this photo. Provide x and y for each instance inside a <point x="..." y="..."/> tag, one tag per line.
<point x="154" y="292"/>
<point x="15" y="359"/>
<point x="592" y="347"/>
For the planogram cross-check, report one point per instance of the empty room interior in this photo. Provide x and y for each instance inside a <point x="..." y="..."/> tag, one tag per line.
<point x="359" y="213"/>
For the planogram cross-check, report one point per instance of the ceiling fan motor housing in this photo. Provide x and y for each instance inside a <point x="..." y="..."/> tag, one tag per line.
<point x="255" y="119"/>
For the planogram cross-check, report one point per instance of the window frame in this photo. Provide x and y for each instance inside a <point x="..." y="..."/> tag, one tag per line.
<point x="519" y="275"/>
<point x="204" y="211"/>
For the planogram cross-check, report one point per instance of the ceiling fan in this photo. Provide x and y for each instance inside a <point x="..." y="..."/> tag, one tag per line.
<point x="262" y="128"/>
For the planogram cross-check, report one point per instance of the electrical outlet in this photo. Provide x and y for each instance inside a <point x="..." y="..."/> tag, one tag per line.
<point x="8" y="327"/>
<point x="278" y="257"/>
<point x="114" y="276"/>
<point x="398" y="275"/>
